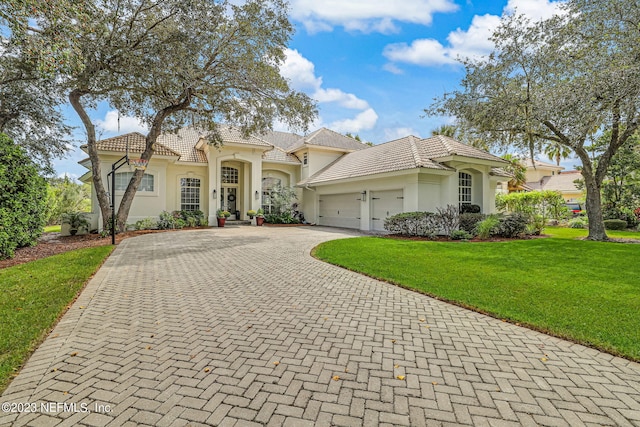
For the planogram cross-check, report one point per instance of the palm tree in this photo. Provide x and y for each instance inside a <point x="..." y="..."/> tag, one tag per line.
<point x="445" y="130"/>
<point x="517" y="170"/>
<point x="556" y="151"/>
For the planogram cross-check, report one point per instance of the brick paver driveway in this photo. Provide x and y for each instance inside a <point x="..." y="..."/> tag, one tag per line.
<point x="240" y="326"/>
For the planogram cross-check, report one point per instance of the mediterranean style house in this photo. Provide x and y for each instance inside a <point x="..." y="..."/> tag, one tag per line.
<point x="546" y="176"/>
<point x="339" y="181"/>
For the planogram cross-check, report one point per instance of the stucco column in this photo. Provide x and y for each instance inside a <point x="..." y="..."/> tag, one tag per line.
<point x="256" y="185"/>
<point x="214" y="167"/>
<point x="488" y="204"/>
<point x="365" y="212"/>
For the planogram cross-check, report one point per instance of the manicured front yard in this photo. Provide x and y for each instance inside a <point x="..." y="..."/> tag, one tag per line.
<point x="584" y="291"/>
<point x="32" y="297"/>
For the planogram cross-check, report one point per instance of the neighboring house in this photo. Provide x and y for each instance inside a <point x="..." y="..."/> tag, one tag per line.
<point x="547" y="176"/>
<point x="340" y="182"/>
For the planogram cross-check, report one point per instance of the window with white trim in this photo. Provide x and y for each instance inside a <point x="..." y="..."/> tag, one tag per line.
<point x="464" y="188"/>
<point x="123" y="178"/>
<point x="267" y="187"/>
<point x="189" y="194"/>
<point x="228" y="175"/>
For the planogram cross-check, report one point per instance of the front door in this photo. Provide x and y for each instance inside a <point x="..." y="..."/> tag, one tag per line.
<point x="228" y="200"/>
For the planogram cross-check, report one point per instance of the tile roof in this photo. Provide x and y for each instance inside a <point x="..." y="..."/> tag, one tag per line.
<point x="439" y="146"/>
<point x="136" y="143"/>
<point x="282" y="140"/>
<point x="528" y="163"/>
<point x="501" y="172"/>
<point x="401" y="154"/>
<point x="184" y="142"/>
<point x="279" y="155"/>
<point x="324" y="137"/>
<point x="562" y="182"/>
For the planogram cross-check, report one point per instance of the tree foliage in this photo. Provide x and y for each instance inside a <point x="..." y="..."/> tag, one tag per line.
<point x="171" y="63"/>
<point x="66" y="196"/>
<point x="22" y="199"/>
<point x="29" y="104"/>
<point x="562" y="80"/>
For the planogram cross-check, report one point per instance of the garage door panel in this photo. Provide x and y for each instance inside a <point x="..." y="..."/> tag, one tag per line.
<point x="383" y="205"/>
<point x="340" y="210"/>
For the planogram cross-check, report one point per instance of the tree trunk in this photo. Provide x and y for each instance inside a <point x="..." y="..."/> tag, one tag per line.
<point x="96" y="171"/>
<point x="152" y="136"/>
<point x="594" y="209"/>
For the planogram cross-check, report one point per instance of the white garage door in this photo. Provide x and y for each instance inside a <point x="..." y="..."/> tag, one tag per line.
<point x="340" y="210"/>
<point x="384" y="204"/>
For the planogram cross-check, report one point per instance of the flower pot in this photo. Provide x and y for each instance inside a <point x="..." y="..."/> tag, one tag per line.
<point x="221" y="222"/>
<point x="259" y="220"/>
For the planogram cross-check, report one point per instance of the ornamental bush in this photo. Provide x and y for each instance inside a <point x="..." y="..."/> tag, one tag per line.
<point x="423" y="224"/>
<point x="23" y="195"/>
<point x="615" y="224"/>
<point x="512" y="226"/>
<point x="468" y="222"/>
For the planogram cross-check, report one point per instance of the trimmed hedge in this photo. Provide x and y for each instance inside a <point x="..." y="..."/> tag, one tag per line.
<point x="23" y="197"/>
<point x="422" y="224"/>
<point x="468" y="222"/>
<point x="615" y="224"/>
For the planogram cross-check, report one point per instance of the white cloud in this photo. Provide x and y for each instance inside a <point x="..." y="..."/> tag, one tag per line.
<point x="364" y="121"/>
<point x="391" y="134"/>
<point x="534" y="9"/>
<point x="364" y="15"/>
<point x="301" y="74"/>
<point x="127" y="124"/>
<point x="473" y="42"/>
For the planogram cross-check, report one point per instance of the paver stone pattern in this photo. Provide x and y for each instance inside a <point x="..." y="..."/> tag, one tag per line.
<point x="242" y="327"/>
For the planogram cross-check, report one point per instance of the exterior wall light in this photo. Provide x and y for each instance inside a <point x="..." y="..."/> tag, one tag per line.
<point x="257" y="195"/>
<point x="215" y="192"/>
<point x="364" y="195"/>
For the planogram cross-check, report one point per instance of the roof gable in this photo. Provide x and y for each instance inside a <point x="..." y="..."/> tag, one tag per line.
<point x="324" y="137"/>
<point x="135" y="142"/>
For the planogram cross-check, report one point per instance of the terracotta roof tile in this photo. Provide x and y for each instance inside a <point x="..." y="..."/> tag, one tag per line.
<point x="401" y="154"/>
<point x="136" y="143"/>
<point x="327" y="138"/>
<point x="279" y="155"/>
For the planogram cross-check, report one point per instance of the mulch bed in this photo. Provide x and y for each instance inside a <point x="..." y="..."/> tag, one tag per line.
<point x="53" y="244"/>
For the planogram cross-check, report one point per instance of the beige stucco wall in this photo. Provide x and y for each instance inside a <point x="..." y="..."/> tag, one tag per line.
<point x="533" y="175"/>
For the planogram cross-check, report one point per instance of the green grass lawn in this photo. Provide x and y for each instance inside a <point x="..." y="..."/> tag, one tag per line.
<point x="52" y="228"/>
<point x="32" y="297"/>
<point x="584" y="291"/>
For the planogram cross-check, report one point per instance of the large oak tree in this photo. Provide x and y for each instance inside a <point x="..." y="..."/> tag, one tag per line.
<point x="173" y="62"/>
<point x="564" y="80"/>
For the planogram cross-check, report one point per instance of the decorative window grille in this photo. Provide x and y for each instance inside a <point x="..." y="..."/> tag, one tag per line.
<point x="123" y="178"/>
<point x="229" y="175"/>
<point x="464" y="188"/>
<point x="267" y="187"/>
<point x="189" y="194"/>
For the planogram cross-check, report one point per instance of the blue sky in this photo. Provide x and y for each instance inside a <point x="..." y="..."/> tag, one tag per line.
<point x="372" y="66"/>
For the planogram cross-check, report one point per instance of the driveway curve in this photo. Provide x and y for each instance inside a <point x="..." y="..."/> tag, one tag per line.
<point x="242" y="327"/>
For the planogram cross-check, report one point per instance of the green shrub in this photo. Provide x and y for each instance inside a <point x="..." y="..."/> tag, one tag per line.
<point x="536" y="225"/>
<point x="281" y="218"/>
<point x="468" y="221"/>
<point x="615" y="224"/>
<point x="76" y="221"/>
<point x="487" y="227"/>
<point x="167" y="221"/>
<point x="511" y="226"/>
<point x="23" y="195"/>
<point x="578" y="222"/>
<point x="146" y="224"/>
<point x="469" y="208"/>
<point x="461" y="235"/>
<point x="423" y="224"/>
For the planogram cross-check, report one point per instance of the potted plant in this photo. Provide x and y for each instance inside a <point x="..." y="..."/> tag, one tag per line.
<point x="251" y="213"/>
<point x="260" y="217"/>
<point x="76" y="221"/>
<point x="222" y="217"/>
